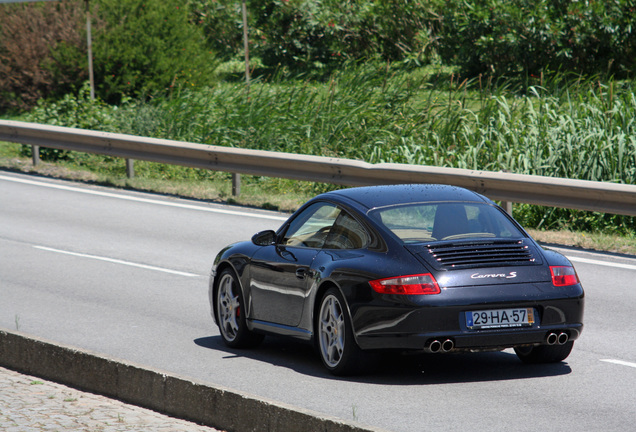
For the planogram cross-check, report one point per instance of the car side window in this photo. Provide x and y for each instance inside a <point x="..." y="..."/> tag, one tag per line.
<point x="347" y="233"/>
<point x="311" y="227"/>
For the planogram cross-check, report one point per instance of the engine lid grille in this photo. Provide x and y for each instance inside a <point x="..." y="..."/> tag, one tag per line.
<point x="490" y="253"/>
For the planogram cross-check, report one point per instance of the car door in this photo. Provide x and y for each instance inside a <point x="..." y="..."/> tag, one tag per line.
<point x="281" y="274"/>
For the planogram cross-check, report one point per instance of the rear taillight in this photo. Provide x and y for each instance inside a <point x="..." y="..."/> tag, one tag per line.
<point x="407" y="285"/>
<point x="563" y="275"/>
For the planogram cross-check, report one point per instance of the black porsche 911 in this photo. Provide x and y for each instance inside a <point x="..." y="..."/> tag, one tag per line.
<point x="429" y="268"/>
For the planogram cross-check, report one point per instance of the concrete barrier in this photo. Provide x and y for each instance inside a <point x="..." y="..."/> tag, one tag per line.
<point x="180" y="397"/>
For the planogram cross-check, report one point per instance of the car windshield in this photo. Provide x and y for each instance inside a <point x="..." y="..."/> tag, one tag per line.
<point x="425" y="222"/>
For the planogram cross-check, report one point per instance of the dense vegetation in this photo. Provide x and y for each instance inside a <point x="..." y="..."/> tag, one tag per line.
<point x="541" y="87"/>
<point x="141" y="47"/>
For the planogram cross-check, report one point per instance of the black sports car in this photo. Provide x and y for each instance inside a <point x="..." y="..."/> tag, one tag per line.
<point x="433" y="268"/>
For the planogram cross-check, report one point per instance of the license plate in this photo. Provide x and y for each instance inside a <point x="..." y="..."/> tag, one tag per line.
<point x="499" y="318"/>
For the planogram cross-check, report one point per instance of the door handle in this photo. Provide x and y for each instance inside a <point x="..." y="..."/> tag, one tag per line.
<point x="303" y="272"/>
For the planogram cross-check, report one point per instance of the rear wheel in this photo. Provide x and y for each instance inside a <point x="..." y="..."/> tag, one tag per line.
<point x="544" y="353"/>
<point x="231" y="313"/>
<point x="338" y="350"/>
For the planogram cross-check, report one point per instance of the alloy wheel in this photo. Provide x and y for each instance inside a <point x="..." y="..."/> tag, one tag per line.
<point x="229" y="308"/>
<point x="332" y="331"/>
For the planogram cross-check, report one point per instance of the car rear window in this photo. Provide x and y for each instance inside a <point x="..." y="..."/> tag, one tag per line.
<point x="416" y="223"/>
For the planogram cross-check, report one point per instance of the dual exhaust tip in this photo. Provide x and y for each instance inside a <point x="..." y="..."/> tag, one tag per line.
<point x="444" y="346"/>
<point x="557" y="338"/>
<point x="440" y="346"/>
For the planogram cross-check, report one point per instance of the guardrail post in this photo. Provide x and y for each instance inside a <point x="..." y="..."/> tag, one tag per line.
<point x="236" y="184"/>
<point x="130" y="168"/>
<point x="35" y="151"/>
<point x="507" y="206"/>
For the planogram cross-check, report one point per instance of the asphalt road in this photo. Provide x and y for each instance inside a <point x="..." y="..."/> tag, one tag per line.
<point x="125" y="274"/>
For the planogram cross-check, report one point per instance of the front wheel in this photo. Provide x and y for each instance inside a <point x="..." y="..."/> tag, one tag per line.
<point x="544" y="353"/>
<point x="338" y="350"/>
<point x="230" y="313"/>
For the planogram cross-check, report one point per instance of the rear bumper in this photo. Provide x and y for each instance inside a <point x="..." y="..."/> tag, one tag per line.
<point x="386" y="325"/>
<point x="477" y="340"/>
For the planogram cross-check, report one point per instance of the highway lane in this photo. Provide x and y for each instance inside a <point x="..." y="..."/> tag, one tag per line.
<point x="125" y="274"/>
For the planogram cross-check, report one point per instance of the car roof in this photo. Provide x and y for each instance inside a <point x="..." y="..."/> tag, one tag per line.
<point x="387" y="195"/>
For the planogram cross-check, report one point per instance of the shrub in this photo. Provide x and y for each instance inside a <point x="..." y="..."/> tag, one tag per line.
<point x="222" y="24"/>
<point x="42" y="52"/>
<point x="309" y="36"/>
<point x="139" y="48"/>
<point x="146" y="47"/>
<point x="509" y="37"/>
<point x="394" y="30"/>
<point x="77" y="111"/>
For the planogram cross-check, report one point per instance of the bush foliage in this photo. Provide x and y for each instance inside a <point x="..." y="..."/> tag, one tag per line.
<point x="490" y="37"/>
<point x="40" y="52"/>
<point x="141" y="47"/>
<point x="148" y="46"/>
<point x="310" y="35"/>
<point x="78" y="111"/>
<point x="511" y="37"/>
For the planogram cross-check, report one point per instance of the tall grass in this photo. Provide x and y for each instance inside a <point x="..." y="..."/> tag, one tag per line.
<point x="347" y="116"/>
<point x="587" y="132"/>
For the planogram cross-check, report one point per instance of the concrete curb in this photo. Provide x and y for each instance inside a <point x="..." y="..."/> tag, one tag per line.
<point x="213" y="406"/>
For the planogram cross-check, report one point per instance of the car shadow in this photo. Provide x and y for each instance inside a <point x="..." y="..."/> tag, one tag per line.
<point x="395" y="368"/>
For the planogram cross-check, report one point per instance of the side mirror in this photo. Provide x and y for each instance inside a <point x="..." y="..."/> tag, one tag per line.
<point x="264" y="238"/>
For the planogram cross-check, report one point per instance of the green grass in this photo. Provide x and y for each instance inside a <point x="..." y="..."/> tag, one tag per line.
<point x="586" y="240"/>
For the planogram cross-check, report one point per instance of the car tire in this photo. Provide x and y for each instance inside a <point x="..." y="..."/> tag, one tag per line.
<point x="336" y="345"/>
<point x="544" y="353"/>
<point x="230" y="313"/>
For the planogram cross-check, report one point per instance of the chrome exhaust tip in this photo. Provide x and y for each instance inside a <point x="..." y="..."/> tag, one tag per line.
<point x="435" y="346"/>
<point x="448" y="345"/>
<point x="552" y="338"/>
<point x="563" y="338"/>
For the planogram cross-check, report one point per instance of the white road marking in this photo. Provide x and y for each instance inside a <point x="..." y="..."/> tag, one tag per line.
<point x="143" y="200"/>
<point x="619" y="362"/>
<point x="240" y="213"/>
<point x="116" y="261"/>
<point x="602" y="263"/>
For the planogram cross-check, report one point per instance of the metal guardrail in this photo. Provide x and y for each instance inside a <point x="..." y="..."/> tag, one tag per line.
<point x="549" y="191"/>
